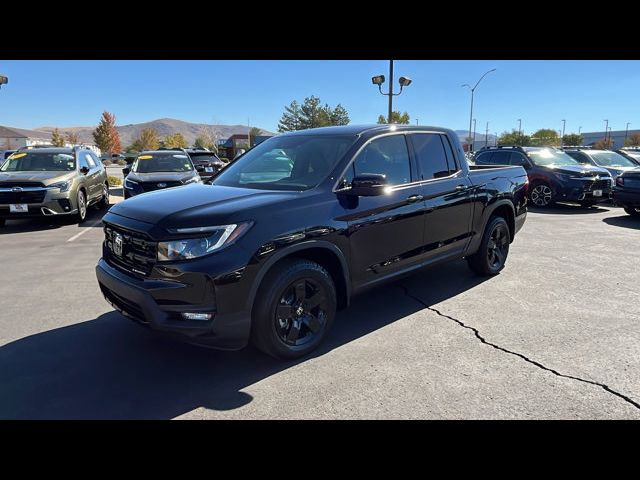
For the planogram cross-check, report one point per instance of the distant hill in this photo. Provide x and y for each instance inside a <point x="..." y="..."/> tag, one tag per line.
<point x="463" y="134"/>
<point x="164" y="126"/>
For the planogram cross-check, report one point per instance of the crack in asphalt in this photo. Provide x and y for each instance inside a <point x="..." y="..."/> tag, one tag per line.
<point x="520" y="355"/>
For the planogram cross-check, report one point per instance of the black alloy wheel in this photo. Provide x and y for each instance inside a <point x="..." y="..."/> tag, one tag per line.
<point x="494" y="248"/>
<point x="301" y="313"/>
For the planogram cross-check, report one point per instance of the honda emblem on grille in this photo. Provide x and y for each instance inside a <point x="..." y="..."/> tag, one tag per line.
<point x="162" y="185"/>
<point x="117" y="244"/>
<point x="16" y="189"/>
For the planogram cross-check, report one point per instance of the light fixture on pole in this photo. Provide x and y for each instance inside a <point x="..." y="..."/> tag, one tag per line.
<point x="473" y="89"/>
<point x="379" y="80"/>
<point x="3" y="80"/>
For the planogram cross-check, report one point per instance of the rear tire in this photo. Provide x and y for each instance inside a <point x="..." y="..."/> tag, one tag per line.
<point x="541" y="195"/>
<point x="494" y="248"/>
<point x="104" y="204"/>
<point x="294" y="309"/>
<point x="633" y="211"/>
<point x="2" y="222"/>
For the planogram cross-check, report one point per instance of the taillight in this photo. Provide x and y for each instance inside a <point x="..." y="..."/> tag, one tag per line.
<point x="620" y="180"/>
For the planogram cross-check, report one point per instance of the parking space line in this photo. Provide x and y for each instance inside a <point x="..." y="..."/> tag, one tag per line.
<point x="84" y="230"/>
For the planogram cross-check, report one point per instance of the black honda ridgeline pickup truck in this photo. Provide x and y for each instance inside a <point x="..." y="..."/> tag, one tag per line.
<point x="292" y="229"/>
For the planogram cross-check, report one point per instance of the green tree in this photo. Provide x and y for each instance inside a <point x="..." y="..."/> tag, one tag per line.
<point x="572" y="139"/>
<point x="56" y="138"/>
<point x="106" y="135"/>
<point x="253" y="135"/>
<point x="73" y="138"/>
<point x="312" y="115"/>
<point x="175" y="140"/>
<point x="396" y="117"/>
<point x="290" y="118"/>
<point x="633" y="140"/>
<point x="545" y="137"/>
<point x="339" y="116"/>
<point x="514" y="137"/>
<point x="147" y="140"/>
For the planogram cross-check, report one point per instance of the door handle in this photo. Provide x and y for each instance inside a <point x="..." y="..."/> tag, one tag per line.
<point x="415" y="198"/>
<point x="461" y="188"/>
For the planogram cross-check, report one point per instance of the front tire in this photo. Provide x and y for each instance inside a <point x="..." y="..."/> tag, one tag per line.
<point x="633" y="211"/>
<point x="294" y="309"/>
<point x="541" y="195"/>
<point x="2" y="222"/>
<point x="494" y="248"/>
<point x="81" y="200"/>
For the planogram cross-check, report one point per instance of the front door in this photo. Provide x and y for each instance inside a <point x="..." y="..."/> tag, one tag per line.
<point x="386" y="231"/>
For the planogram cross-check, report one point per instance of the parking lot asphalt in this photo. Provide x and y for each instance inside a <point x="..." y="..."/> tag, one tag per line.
<point x="555" y="336"/>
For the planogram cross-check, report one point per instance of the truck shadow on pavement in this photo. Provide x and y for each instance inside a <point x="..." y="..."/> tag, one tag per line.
<point x="626" y="221"/>
<point x="110" y="368"/>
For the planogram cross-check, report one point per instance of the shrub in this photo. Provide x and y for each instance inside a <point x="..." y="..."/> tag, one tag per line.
<point x="106" y="163"/>
<point x="114" y="181"/>
<point x="122" y="162"/>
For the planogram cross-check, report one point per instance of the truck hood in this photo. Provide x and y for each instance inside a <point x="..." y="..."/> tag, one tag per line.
<point x="197" y="205"/>
<point x="47" y="178"/>
<point x="577" y="169"/>
<point x="161" y="176"/>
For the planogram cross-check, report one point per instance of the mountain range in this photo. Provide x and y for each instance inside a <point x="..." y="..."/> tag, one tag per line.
<point x="164" y="126"/>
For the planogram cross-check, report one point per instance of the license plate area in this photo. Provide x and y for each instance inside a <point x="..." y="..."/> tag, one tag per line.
<point x="18" y="208"/>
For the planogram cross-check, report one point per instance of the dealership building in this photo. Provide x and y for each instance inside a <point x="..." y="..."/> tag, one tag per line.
<point x="617" y="137"/>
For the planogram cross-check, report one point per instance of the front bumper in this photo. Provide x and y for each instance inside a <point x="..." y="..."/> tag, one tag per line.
<point x="158" y="304"/>
<point x="53" y="204"/>
<point x="582" y="191"/>
<point x="628" y="198"/>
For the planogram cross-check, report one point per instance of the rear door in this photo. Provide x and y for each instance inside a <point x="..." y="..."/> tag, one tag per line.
<point x="94" y="177"/>
<point x="448" y="194"/>
<point x="386" y="232"/>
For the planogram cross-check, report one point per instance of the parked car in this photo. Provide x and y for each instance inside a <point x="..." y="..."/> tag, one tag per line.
<point x="270" y="259"/>
<point x="632" y="154"/>
<point x="206" y="162"/>
<point x="553" y="175"/>
<point x="615" y="163"/>
<point x="159" y="169"/>
<point x="626" y="193"/>
<point x="52" y="182"/>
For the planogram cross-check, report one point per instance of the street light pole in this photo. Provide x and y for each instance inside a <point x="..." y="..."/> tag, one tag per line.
<point x="379" y="80"/>
<point x="579" y="129"/>
<point x="626" y="132"/>
<point x="473" y="142"/>
<point x="519" y="127"/>
<point x="564" y="122"/>
<point x="390" y="91"/>
<point x="606" y="130"/>
<point x="473" y="89"/>
<point x="486" y="135"/>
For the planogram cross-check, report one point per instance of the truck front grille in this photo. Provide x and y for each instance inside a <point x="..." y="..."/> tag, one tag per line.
<point x="139" y="252"/>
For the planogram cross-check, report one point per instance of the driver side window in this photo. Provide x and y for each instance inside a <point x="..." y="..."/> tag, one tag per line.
<point x="387" y="155"/>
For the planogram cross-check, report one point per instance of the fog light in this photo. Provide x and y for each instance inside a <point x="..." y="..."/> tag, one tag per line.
<point x="197" y="316"/>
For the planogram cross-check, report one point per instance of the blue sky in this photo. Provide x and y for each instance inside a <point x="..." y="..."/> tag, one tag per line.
<point x="541" y="93"/>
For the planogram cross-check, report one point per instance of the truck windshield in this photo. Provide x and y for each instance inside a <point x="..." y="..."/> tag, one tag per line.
<point x="546" y="157"/>
<point x="39" y="162"/>
<point x="611" y="159"/>
<point x="162" y="162"/>
<point x="298" y="162"/>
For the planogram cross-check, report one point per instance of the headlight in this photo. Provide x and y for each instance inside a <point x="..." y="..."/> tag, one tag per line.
<point x="63" y="186"/>
<point x="218" y="237"/>
<point x="192" y="180"/>
<point x="129" y="183"/>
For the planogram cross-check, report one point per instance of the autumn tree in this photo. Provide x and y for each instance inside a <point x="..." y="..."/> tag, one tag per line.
<point x="633" y="140"/>
<point x="147" y="140"/>
<point x="73" y="138"/>
<point x="603" y="144"/>
<point x="175" y="140"/>
<point x="56" y="138"/>
<point x="106" y="135"/>
<point x="396" y="117"/>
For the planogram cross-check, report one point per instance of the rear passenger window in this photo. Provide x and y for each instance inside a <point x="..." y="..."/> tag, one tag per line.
<point x="500" y="158"/>
<point x="517" y="159"/>
<point x="484" y="158"/>
<point x="388" y="156"/>
<point x="90" y="161"/>
<point x="451" y="159"/>
<point x="431" y="156"/>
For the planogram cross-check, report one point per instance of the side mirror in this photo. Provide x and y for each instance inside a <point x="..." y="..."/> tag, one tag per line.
<point x="368" y="185"/>
<point x="84" y="170"/>
<point x="126" y="171"/>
